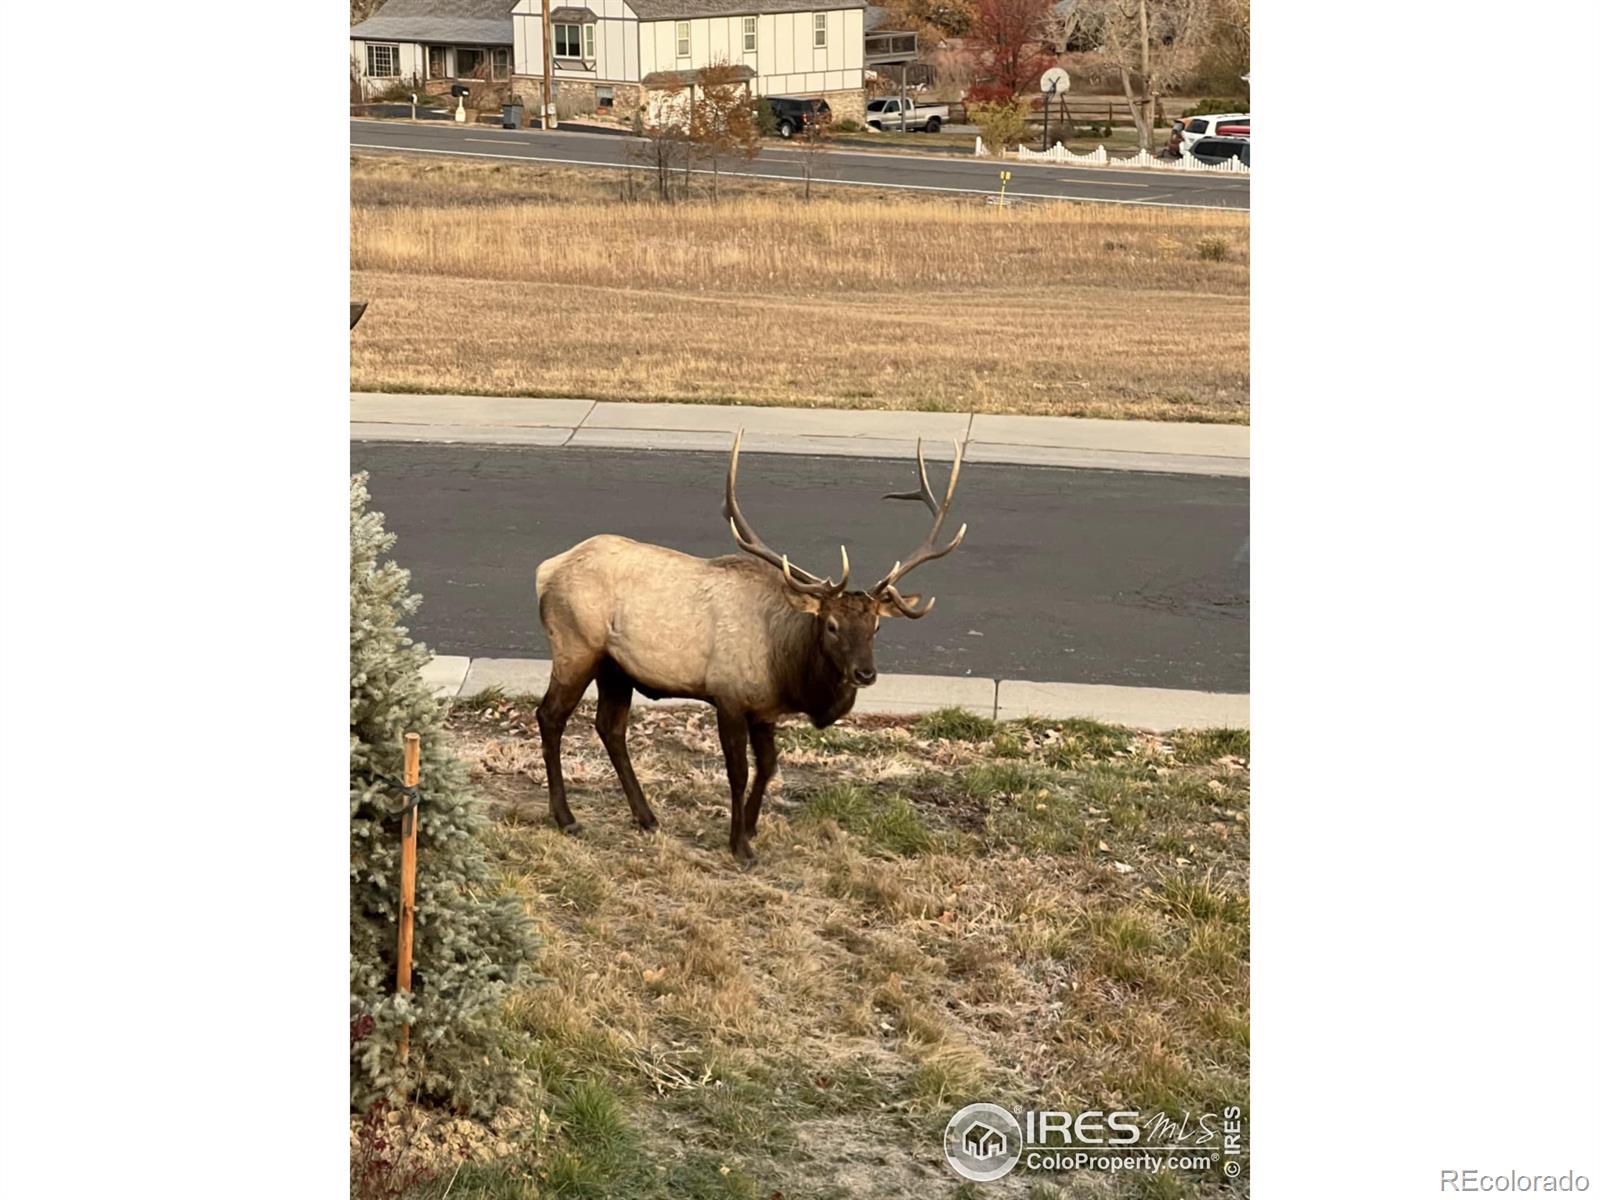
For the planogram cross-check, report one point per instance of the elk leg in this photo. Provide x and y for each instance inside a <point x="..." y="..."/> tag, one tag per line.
<point x="611" y="722"/>
<point x="560" y="698"/>
<point x="731" y="729"/>
<point x="763" y="737"/>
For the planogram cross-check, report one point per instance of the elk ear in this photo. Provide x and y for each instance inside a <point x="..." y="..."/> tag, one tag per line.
<point x="886" y="606"/>
<point x="801" y="602"/>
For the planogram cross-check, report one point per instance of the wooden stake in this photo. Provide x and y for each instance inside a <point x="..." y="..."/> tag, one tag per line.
<point x="408" y="884"/>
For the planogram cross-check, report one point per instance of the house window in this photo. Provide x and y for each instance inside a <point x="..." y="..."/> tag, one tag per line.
<point x="749" y="35"/>
<point x="438" y="67"/>
<point x="605" y="99"/>
<point x="471" y="63"/>
<point x="819" y="31"/>
<point x="574" y="41"/>
<point x="683" y="39"/>
<point x="383" y="62"/>
<point x="501" y="60"/>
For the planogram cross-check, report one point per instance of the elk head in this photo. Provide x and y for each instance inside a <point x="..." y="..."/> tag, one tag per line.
<point x="847" y="622"/>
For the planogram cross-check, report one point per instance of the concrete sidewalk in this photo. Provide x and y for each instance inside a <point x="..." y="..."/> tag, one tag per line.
<point x="1001" y="699"/>
<point x="1190" y="449"/>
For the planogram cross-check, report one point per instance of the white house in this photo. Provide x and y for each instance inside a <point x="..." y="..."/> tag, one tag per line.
<point x="607" y="52"/>
<point x="426" y="45"/>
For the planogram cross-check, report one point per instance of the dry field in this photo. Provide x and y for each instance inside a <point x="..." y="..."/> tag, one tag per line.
<point x="1046" y="914"/>
<point x="504" y="279"/>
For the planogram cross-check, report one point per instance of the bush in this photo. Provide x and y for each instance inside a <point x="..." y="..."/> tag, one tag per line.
<point x="471" y="939"/>
<point x="848" y="126"/>
<point x="1213" y="105"/>
<point x="1000" y="123"/>
<point x="1213" y="249"/>
<point x="766" y="119"/>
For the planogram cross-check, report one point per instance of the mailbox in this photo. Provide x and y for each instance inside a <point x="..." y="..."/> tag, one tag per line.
<point x="460" y="89"/>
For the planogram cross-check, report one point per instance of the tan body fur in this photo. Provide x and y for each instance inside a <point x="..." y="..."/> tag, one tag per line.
<point x="716" y="629"/>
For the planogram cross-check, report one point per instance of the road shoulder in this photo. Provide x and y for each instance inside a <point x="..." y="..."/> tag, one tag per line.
<point x="1173" y="447"/>
<point x="1159" y="709"/>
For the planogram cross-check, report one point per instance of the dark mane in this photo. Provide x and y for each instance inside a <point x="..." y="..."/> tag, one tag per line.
<point x="807" y="682"/>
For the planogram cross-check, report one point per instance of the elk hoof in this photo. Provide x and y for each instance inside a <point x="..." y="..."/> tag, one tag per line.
<point x="570" y="826"/>
<point x="742" y="852"/>
<point x="649" y="824"/>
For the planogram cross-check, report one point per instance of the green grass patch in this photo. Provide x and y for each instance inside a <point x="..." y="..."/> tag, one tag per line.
<point x="1195" y="899"/>
<point x="835" y="739"/>
<point x="889" y="824"/>
<point x="993" y="781"/>
<point x="601" y="1155"/>
<point x="1128" y="947"/>
<point x="956" y="724"/>
<point x="1207" y="745"/>
<point x="706" y="1177"/>
<point x="1081" y="740"/>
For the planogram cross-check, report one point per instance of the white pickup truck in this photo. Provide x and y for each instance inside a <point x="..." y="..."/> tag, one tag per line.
<point x="883" y="114"/>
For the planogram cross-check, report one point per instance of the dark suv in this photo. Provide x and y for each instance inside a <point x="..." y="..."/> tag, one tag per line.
<point x="1221" y="149"/>
<point x="796" y="112"/>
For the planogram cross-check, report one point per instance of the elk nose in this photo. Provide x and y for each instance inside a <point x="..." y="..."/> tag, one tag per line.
<point x="865" y="677"/>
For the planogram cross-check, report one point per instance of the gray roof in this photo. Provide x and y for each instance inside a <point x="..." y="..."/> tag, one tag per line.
<point x="667" y="10"/>
<point x="467" y="22"/>
<point x="663" y="78"/>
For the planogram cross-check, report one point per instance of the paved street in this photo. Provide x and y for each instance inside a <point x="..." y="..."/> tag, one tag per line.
<point x="955" y="175"/>
<point x="1109" y="577"/>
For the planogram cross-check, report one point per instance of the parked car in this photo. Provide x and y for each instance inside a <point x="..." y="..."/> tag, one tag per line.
<point x="1215" y="125"/>
<point x="1221" y="149"/>
<point x="794" y="113"/>
<point x="884" y="113"/>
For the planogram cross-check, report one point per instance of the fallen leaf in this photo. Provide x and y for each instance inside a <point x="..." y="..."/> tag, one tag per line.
<point x="1122" y="868"/>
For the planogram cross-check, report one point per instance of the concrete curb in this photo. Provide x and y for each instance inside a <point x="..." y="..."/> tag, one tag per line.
<point x="900" y="695"/>
<point x="1191" y="449"/>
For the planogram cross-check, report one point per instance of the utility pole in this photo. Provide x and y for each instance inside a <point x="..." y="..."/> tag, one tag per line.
<point x="547" y="115"/>
<point x="902" y="97"/>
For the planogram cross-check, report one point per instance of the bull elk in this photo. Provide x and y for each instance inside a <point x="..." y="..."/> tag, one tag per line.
<point x="753" y="635"/>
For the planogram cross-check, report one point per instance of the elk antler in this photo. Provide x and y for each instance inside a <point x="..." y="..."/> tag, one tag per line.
<point x="927" y="551"/>
<point x="750" y="541"/>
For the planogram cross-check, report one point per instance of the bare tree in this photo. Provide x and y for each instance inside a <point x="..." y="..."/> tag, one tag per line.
<point x="1153" y="44"/>
<point x="664" y="128"/>
<point x="1225" y="60"/>
<point x="813" y="141"/>
<point x="723" y="122"/>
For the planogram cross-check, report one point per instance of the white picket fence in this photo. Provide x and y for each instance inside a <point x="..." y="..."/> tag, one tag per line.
<point x="1060" y="154"/>
<point x="1099" y="158"/>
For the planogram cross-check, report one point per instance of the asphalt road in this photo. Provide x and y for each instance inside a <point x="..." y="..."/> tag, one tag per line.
<point x="1081" y="576"/>
<point x="1166" y="189"/>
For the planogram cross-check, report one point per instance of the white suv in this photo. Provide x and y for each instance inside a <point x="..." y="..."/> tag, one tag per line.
<point x="1215" y="125"/>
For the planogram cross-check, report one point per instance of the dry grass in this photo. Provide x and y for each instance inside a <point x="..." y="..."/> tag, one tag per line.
<point x="1045" y="914"/>
<point x="509" y="279"/>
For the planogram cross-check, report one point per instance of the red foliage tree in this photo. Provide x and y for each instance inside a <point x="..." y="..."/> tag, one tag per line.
<point x="1008" y="36"/>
